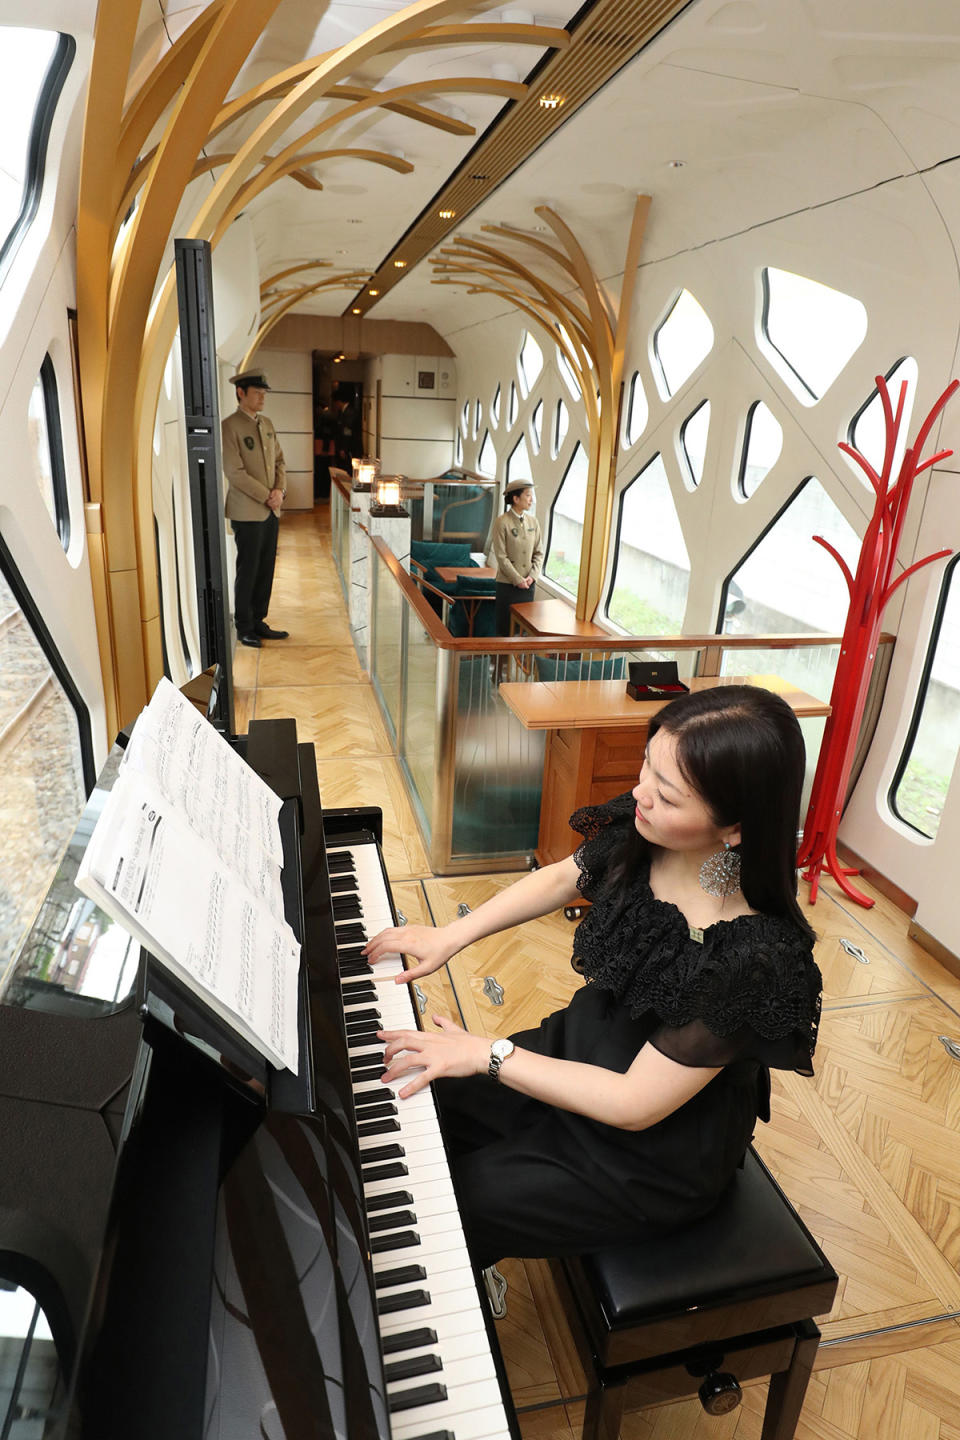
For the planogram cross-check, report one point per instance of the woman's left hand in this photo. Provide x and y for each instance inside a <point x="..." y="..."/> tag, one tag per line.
<point x="451" y="1052"/>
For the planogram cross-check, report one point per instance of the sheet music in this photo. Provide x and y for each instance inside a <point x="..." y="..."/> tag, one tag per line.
<point x="166" y="869"/>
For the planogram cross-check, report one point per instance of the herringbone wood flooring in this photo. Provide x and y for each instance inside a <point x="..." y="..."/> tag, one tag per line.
<point x="867" y="1151"/>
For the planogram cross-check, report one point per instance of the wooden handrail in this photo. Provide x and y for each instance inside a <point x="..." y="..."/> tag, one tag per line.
<point x="564" y="644"/>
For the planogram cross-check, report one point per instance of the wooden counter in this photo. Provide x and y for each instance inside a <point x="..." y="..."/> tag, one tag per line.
<point x="552" y="617"/>
<point x="596" y="736"/>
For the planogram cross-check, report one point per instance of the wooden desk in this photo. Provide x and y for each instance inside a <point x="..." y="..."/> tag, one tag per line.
<point x="596" y="736"/>
<point x="450" y="573"/>
<point x="552" y="617"/>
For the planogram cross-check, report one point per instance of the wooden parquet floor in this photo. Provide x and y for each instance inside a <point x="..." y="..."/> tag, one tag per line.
<point x="868" y="1151"/>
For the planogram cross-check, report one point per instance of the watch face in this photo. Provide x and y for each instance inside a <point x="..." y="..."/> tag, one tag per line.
<point x="502" y="1048"/>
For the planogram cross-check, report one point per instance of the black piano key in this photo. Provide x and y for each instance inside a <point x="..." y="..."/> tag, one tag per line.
<point x="390" y="1220"/>
<point x="378" y="1127"/>
<point x="349" y="952"/>
<point x="376" y="1153"/>
<point x="408" y="1340"/>
<point x="350" y="933"/>
<point x="361" y="1017"/>
<point x="364" y="1060"/>
<point x="339" y="862"/>
<point x="396" y="1240"/>
<point x="399" y="1275"/>
<point x="375" y="1071"/>
<point x="362" y="1099"/>
<point x="372" y="1111"/>
<point x="408" y="1369"/>
<point x="354" y="968"/>
<point x="415" y="1397"/>
<point x="436" y="1435"/>
<point x="362" y="1039"/>
<point x="383" y="1172"/>
<point x="406" y="1300"/>
<point x="340" y="884"/>
<point x="388" y="1201"/>
<point x="346" y="907"/>
<point x="356" y="991"/>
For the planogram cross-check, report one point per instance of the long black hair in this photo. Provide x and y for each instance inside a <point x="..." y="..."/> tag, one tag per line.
<point x="741" y="750"/>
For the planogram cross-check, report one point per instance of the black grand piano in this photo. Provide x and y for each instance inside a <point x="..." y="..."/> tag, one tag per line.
<point x="193" y="1244"/>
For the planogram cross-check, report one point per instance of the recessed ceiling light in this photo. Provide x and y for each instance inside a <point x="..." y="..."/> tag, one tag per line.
<point x="400" y="264"/>
<point x="448" y="214"/>
<point x="551" y="102"/>
<point x="373" y="292"/>
<point x="357" y="310"/>
<point x="676" y="164"/>
<point x="479" y="177"/>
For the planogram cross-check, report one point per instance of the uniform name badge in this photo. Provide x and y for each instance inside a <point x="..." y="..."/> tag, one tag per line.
<point x="248" y="441"/>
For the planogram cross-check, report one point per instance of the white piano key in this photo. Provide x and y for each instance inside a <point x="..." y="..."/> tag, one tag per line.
<point x="455" y="1375"/>
<point x="470" y="1410"/>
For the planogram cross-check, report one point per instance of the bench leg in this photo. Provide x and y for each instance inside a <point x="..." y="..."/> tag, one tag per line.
<point x="603" y="1413"/>
<point x="788" y="1387"/>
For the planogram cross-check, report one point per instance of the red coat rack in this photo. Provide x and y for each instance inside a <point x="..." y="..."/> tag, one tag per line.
<point x="870" y="589"/>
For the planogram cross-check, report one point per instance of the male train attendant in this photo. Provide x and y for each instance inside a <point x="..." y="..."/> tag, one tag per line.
<point x="256" y="485"/>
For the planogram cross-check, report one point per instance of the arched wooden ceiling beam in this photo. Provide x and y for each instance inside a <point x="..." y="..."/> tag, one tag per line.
<point x="294" y="270"/>
<point x="549" y="303"/>
<point x="560" y="301"/>
<point x="523" y="236"/>
<point x="114" y="36"/>
<point x="153" y="97"/>
<point x="352" y="279"/>
<point x="281" y="164"/>
<point x="130" y="547"/>
<point x="475" y="33"/>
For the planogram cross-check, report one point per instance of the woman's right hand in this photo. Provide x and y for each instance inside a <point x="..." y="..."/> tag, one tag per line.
<point x="430" y="947"/>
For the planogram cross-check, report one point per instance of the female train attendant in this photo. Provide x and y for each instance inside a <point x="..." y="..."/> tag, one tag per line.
<point x="632" y="1107"/>
<point x="518" y="552"/>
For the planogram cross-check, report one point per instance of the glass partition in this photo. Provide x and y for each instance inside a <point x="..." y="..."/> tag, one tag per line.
<point x="419" y="752"/>
<point x="387" y="606"/>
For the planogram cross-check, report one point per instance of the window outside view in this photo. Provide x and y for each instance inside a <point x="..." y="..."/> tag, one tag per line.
<point x="41" y="778"/>
<point x="693" y="438"/>
<point x="562" y="563"/>
<point x="788" y="584"/>
<point x="560" y="428"/>
<point x="652" y="576"/>
<point x="43" y="429"/>
<point x="762" y="443"/>
<point x="536" y="428"/>
<point x="799" y="316"/>
<point x="487" y="459"/>
<point x="636" y="411"/>
<point x="518" y="464"/>
<point x="922" y="788"/>
<point x="867" y="432"/>
<point x="531" y="362"/>
<point x="682" y="342"/>
<point x="26" y="59"/>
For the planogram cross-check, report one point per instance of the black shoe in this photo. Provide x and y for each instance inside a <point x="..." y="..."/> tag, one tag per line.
<point x="253" y="640"/>
<point x="266" y="633"/>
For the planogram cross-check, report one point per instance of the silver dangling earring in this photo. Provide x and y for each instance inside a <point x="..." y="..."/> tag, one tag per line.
<point x="720" y="873"/>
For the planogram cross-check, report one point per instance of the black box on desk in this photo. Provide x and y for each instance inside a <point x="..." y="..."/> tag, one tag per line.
<point x="654" y="680"/>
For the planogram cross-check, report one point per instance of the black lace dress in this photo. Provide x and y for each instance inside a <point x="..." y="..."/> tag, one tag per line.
<point x="537" y="1180"/>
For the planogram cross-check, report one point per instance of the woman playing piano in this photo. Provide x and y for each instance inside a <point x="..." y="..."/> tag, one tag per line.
<point x="632" y="1107"/>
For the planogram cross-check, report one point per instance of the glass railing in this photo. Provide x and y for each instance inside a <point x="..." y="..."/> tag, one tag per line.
<point x="473" y="769"/>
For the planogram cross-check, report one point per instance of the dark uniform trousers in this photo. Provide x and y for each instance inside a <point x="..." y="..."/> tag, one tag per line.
<point x="506" y="595"/>
<point x="256" y="556"/>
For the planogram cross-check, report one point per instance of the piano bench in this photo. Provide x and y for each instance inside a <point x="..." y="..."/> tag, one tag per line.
<point x="730" y="1298"/>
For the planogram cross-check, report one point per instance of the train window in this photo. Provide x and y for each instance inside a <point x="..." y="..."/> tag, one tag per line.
<point x="651" y="572"/>
<point x="681" y="342"/>
<point x="477" y="419"/>
<point x="31" y="1380"/>
<point x="536" y="427"/>
<point x="693" y="441"/>
<point x="487" y="462"/>
<point x="36" y="65"/>
<point x="637" y="410"/>
<point x="572" y="384"/>
<point x="531" y="362"/>
<point x="46" y="448"/>
<point x="785" y="584"/>
<point x="560" y="427"/>
<point x="562" y="563"/>
<point x="465" y="418"/>
<point x="458" y="448"/>
<point x="919" y="787"/>
<point x="762" y="443"/>
<point x="810" y="329"/>
<point x="867" y="432"/>
<point x="46" y="757"/>
<point x="513" y="407"/>
<point x="495" y="408"/>
<point x="518" y="462"/>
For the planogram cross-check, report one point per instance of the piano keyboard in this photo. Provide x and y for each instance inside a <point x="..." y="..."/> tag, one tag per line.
<point x="441" y="1379"/>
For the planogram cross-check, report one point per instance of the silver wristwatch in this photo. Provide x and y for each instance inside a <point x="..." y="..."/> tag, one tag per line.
<point x="500" y="1050"/>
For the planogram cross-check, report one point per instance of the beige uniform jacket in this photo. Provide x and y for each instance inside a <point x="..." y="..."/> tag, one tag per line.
<point x="252" y="463"/>
<point x="517" y="547"/>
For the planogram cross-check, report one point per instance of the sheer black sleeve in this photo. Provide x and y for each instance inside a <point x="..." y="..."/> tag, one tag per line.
<point x="604" y="828"/>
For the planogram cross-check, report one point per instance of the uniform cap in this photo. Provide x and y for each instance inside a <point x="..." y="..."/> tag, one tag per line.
<point x="512" y="486"/>
<point x="250" y="377"/>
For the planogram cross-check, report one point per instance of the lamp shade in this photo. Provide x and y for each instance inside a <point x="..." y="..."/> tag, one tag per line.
<point x="365" y="472"/>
